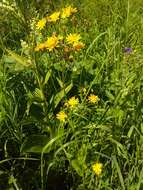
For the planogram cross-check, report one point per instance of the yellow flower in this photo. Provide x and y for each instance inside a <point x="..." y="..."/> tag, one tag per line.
<point x="97" y="168"/>
<point x="51" y="42"/>
<point x="54" y="17"/>
<point x="72" y="102"/>
<point x="39" y="47"/>
<point x="73" y="38"/>
<point x="77" y="46"/>
<point x="41" y="23"/>
<point x="93" y="98"/>
<point x="61" y="116"/>
<point x="67" y="11"/>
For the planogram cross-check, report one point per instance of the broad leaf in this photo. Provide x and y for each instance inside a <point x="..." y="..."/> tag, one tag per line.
<point x="35" y="144"/>
<point x="20" y="61"/>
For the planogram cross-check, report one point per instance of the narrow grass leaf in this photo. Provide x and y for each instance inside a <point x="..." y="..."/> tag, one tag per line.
<point x="119" y="172"/>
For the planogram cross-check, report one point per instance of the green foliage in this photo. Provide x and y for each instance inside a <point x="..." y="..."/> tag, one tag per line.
<point x="64" y="108"/>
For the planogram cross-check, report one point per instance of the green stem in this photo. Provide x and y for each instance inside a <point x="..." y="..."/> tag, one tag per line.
<point x="13" y="180"/>
<point x="45" y="104"/>
<point x="15" y="185"/>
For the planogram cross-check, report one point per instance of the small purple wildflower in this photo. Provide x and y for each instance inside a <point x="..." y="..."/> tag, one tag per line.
<point x="127" y="50"/>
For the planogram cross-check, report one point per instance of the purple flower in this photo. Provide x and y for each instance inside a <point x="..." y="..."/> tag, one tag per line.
<point x="127" y="50"/>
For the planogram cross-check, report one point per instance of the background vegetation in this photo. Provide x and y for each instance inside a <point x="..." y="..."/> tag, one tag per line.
<point x="40" y="150"/>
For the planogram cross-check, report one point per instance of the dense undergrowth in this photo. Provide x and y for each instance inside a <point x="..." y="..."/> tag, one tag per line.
<point x="71" y="95"/>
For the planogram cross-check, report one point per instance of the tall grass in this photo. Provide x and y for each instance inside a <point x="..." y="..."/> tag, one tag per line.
<point x="38" y="151"/>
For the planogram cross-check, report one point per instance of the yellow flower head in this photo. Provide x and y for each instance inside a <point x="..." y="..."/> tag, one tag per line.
<point x="61" y="116"/>
<point x="51" y="42"/>
<point x="93" y="98"/>
<point x="39" y="47"/>
<point x="77" y="46"/>
<point x="41" y="23"/>
<point x="97" y="168"/>
<point x="66" y="12"/>
<point x="72" y="102"/>
<point x="54" y="17"/>
<point x="73" y="38"/>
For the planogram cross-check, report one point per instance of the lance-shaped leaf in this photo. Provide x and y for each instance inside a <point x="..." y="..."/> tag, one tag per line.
<point x="61" y="94"/>
<point x="47" y="76"/>
<point x="20" y="61"/>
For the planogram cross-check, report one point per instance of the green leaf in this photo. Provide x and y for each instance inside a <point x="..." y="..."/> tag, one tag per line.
<point x="142" y="128"/>
<point x="38" y="94"/>
<point x="140" y="182"/>
<point x="79" y="164"/>
<point x="78" y="168"/>
<point x="120" y="148"/>
<point x="119" y="172"/>
<point x="110" y="95"/>
<point x="130" y="79"/>
<point x="47" y="76"/>
<point x="35" y="144"/>
<point x="130" y="132"/>
<point x="93" y="42"/>
<point x="82" y="154"/>
<point x="60" y="82"/>
<point x="21" y="62"/>
<point x="61" y="94"/>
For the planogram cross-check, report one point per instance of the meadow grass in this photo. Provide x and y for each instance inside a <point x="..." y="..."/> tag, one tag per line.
<point x="71" y="95"/>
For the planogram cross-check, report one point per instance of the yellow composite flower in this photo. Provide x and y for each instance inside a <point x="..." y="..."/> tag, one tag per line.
<point x="97" y="168"/>
<point x="67" y="11"/>
<point x="93" y="98"/>
<point x="39" y="47"/>
<point x="54" y="17"/>
<point x="78" y="45"/>
<point x="41" y="23"/>
<point x="61" y="116"/>
<point x="72" y="102"/>
<point x="73" y="38"/>
<point x="51" y="42"/>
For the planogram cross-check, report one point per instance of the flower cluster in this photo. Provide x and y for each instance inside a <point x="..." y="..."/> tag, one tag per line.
<point x="73" y="103"/>
<point x="73" y="39"/>
<point x="53" y="41"/>
<point x="68" y="11"/>
<point x="65" y="13"/>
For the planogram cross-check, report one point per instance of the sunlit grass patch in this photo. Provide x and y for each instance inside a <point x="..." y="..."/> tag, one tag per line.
<point x="71" y="95"/>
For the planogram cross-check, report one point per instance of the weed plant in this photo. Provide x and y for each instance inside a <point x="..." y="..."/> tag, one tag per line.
<point x="71" y="95"/>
